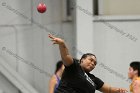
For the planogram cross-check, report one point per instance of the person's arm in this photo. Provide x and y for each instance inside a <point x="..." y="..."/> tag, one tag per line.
<point x="136" y="86"/>
<point x="52" y="84"/>
<point x="108" y="89"/>
<point x="66" y="57"/>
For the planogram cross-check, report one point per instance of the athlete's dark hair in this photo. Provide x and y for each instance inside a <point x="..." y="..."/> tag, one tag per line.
<point x="58" y="65"/>
<point x="136" y="66"/>
<point x="86" y="55"/>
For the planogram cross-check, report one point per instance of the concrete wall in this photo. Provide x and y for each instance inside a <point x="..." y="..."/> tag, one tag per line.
<point x="6" y="86"/>
<point x="84" y="27"/>
<point x="116" y="44"/>
<point x="24" y="32"/>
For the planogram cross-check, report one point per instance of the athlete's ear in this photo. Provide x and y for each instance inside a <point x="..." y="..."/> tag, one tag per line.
<point x="81" y="61"/>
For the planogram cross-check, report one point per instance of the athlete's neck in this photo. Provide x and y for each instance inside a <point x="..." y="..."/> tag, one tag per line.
<point x="136" y="76"/>
<point x="59" y="73"/>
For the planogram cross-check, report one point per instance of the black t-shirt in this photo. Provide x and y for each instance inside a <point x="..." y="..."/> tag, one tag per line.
<point x="74" y="80"/>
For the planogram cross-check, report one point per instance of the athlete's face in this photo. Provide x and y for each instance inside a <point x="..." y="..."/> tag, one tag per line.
<point x="88" y="63"/>
<point x="132" y="73"/>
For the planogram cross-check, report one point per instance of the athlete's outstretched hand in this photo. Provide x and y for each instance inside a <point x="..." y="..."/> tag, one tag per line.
<point x="56" y="40"/>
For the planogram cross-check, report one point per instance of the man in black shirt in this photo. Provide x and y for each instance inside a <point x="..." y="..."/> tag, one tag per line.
<point x="76" y="77"/>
